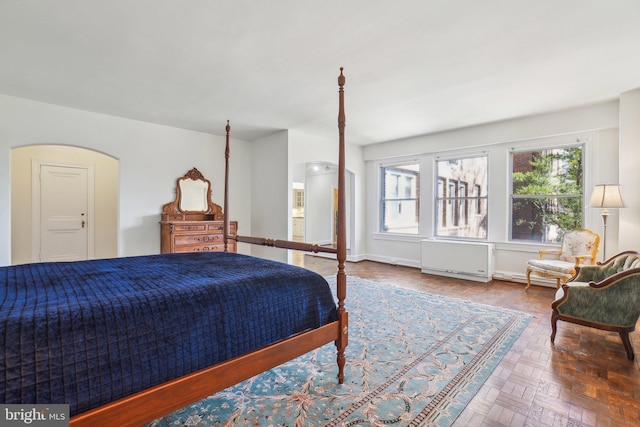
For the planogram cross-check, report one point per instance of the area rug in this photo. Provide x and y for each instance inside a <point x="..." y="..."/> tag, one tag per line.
<point x="413" y="359"/>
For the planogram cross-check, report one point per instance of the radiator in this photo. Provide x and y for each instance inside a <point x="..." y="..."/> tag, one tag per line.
<point x="462" y="260"/>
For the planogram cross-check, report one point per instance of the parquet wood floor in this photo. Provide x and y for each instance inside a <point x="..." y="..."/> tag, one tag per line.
<point x="584" y="379"/>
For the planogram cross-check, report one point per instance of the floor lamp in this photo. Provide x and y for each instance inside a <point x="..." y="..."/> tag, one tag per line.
<point x="606" y="196"/>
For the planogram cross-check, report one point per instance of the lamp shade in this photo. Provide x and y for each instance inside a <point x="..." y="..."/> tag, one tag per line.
<point x="606" y="196"/>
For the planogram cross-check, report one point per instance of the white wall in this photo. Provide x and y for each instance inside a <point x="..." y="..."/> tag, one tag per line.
<point x="305" y="148"/>
<point x="597" y="116"/>
<point x="270" y="194"/>
<point x="629" y="176"/>
<point x="595" y="125"/>
<point x="276" y="163"/>
<point x="151" y="158"/>
<point x="318" y="207"/>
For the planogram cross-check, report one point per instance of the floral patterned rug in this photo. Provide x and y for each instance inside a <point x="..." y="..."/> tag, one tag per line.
<point x="413" y="359"/>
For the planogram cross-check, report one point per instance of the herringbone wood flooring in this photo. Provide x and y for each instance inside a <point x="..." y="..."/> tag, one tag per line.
<point x="584" y="379"/>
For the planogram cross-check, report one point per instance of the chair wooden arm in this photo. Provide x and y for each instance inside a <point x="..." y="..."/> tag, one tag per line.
<point x="544" y="252"/>
<point x="582" y="258"/>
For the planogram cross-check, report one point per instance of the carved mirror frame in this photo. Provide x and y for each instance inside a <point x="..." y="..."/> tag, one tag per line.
<point x="193" y="196"/>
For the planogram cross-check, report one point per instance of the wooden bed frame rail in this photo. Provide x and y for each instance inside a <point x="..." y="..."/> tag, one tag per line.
<point x="285" y="244"/>
<point x="150" y="404"/>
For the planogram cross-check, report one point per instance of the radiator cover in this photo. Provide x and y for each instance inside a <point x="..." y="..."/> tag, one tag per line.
<point x="458" y="259"/>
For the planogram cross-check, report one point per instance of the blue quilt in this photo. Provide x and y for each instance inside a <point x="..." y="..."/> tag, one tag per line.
<point x="90" y="332"/>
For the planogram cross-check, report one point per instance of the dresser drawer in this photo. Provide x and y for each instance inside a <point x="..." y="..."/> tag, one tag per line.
<point x="215" y="228"/>
<point x="189" y="227"/>
<point x="206" y="248"/>
<point x="195" y="236"/>
<point x="205" y="227"/>
<point x="194" y="239"/>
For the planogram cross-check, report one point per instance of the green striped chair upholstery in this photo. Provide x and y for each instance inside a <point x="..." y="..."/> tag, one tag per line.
<point x="604" y="296"/>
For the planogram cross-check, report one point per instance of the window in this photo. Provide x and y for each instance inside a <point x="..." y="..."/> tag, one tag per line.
<point x="461" y="198"/>
<point x="546" y="197"/>
<point x="399" y="196"/>
<point x="298" y="198"/>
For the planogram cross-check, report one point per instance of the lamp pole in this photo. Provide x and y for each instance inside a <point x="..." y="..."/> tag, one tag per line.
<point x="605" y="216"/>
<point x="606" y="196"/>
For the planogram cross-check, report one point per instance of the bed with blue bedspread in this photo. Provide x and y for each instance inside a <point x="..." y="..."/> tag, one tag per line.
<point x="124" y="341"/>
<point x="91" y="332"/>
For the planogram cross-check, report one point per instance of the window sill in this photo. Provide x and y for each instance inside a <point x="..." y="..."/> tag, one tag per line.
<point x="398" y="237"/>
<point x="530" y="247"/>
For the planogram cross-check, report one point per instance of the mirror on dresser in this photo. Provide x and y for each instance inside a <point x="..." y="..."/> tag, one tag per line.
<point x="193" y="195"/>
<point x="193" y="222"/>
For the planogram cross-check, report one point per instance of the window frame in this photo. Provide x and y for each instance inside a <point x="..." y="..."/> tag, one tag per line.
<point x="511" y="197"/>
<point x="462" y="207"/>
<point x="382" y="199"/>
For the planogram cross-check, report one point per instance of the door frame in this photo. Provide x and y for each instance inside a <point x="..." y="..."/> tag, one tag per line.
<point x="36" y="225"/>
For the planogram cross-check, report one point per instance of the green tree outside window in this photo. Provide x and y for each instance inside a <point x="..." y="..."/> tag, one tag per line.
<point x="547" y="193"/>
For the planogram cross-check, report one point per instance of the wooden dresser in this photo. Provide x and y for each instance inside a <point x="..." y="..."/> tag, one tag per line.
<point x="192" y="222"/>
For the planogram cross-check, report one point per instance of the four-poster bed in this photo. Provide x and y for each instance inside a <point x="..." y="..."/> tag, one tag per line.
<point x="70" y="349"/>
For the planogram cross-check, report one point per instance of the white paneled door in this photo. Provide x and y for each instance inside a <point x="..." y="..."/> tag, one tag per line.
<point x="65" y="217"/>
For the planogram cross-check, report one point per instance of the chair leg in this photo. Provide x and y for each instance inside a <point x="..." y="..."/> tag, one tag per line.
<point x="528" y="279"/>
<point x="554" y="327"/>
<point x="557" y="283"/>
<point x="624" y="336"/>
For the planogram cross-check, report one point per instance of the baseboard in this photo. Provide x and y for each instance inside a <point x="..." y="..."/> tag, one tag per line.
<point x="362" y="257"/>
<point x="518" y="277"/>
<point x="393" y="261"/>
<point x="350" y="258"/>
<point x="321" y="242"/>
<point x="454" y="275"/>
<point x="509" y="276"/>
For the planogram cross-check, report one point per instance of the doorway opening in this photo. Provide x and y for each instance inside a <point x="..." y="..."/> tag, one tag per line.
<point x="65" y="162"/>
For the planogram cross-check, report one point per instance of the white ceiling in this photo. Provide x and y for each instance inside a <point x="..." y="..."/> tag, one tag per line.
<point x="412" y="66"/>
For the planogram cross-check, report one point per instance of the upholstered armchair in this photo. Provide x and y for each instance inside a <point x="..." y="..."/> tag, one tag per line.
<point x="579" y="247"/>
<point x="604" y="296"/>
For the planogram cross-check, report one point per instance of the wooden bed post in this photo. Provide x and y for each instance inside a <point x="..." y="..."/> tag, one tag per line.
<point x="341" y="279"/>
<point x="225" y="227"/>
<point x="148" y="404"/>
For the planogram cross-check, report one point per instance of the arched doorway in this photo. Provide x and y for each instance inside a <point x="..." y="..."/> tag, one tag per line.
<point x="101" y="215"/>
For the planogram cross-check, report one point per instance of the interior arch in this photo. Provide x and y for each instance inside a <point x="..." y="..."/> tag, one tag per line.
<point x="106" y="192"/>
